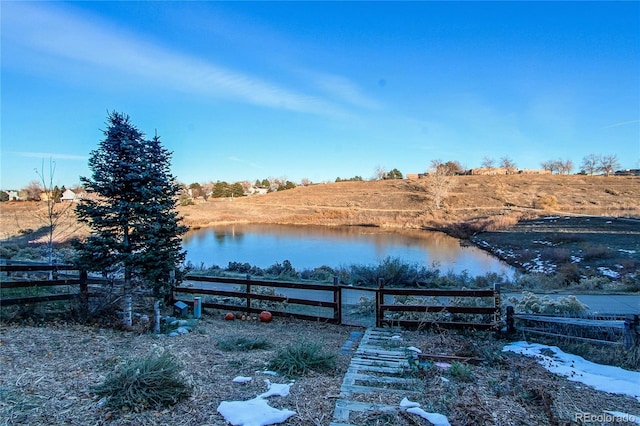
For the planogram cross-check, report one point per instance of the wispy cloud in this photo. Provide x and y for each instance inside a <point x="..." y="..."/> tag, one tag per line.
<point x="621" y="124"/>
<point x="47" y="155"/>
<point x="344" y="90"/>
<point x="243" y="161"/>
<point x="69" y="36"/>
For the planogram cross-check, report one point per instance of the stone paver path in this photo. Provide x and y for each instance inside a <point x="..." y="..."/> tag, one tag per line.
<point x="378" y="365"/>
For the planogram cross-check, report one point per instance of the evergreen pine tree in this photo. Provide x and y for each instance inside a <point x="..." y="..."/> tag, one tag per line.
<point x="132" y="216"/>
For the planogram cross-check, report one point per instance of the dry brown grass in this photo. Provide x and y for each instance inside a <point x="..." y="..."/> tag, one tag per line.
<point x="48" y="374"/>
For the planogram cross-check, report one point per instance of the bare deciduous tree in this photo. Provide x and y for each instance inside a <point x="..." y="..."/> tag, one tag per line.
<point x="439" y="182"/>
<point x="33" y="190"/>
<point x="380" y="172"/>
<point x="559" y="166"/>
<point x="608" y="164"/>
<point x="590" y="164"/>
<point x="564" y="167"/>
<point x="488" y="162"/>
<point x="507" y="163"/>
<point x="55" y="210"/>
<point x="549" y="165"/>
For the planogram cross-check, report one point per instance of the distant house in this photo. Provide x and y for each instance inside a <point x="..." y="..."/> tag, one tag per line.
<point x="257" y="191"/>
<point x="628" y="172"/>
<point x="491" y="171"/>
<point x="534" y="172"/>
<point x="14" y="195"/>
<point x="69" y="196"/>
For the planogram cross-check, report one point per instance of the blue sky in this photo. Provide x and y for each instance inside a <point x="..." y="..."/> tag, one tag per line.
<point x="245" y="91"/>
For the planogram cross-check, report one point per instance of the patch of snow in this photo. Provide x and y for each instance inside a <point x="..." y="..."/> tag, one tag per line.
<point x="405" y="403"/>
<point x="543" y="242"/>
<point x="396" y="337"/>
<point x="276" y="389"/>
<point x="551" y="217"/>
<point x="435" y="418"/>
<point x="267" y="372"/>
<point x="443" y="365"/>
<point x="608" y="221"/>
<point x="241" y="379"/>
<point x="444" y="379"/>
<point x="627" y="251"/>
<point x="575" y="368"/>
<point x="608" y="272"/>
<point x="254" y="412"/>
<point x="414" y="408"/>
<point x="414" y="349"/>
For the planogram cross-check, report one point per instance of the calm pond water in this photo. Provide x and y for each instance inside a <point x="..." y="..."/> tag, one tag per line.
<point x="308" y="247"/>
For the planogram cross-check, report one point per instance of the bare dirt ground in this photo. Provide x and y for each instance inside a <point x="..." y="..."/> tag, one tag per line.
<point x="48" y="374"/>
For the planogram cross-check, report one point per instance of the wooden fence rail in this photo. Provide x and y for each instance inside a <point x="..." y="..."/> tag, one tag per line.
<point x="247" y="296"/>
<point x="220" y="300"/>
<point x="81" y="282"/>
<point x="447" y="310"/>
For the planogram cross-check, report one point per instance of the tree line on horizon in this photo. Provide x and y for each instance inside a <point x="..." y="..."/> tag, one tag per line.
<point x="592" y="164"/>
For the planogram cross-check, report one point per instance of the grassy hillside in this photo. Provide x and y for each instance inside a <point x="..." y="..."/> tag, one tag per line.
<point x="403" y="203"/>
<point x="475" y="202"/>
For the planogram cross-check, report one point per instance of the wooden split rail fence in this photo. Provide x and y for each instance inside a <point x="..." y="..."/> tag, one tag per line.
<point x="246" y="296"/>
<point x="407" y="307"/>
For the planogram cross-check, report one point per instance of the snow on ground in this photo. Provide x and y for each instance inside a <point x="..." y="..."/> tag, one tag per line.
<point x="608" y="272"/>
<point x="414" y="408"/>
<point x="256" y="411"/>
<point x="575" y="368"/>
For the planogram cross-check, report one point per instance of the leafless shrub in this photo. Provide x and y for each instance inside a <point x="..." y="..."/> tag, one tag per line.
<point x="546" y="202"/>
<point x="556" y="254"/>
<point x="597" y="252"/>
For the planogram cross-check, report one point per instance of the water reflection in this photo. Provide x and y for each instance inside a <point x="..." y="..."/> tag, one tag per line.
<point x="313" y="246"/>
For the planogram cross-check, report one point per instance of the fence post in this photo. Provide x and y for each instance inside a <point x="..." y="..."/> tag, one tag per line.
<point x="379" y="302"/>
<point x="337" y="299"/>
<point x="84" y="295"/>
<point x="630" y="333"/>
<point x="510" y="320"/>
<point x="497" y="316"/>
<point x="248" y="286"/>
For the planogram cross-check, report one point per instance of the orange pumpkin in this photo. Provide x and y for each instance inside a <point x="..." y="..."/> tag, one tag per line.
<point x="265" y="316"/>
<point x="229" y="316"/>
